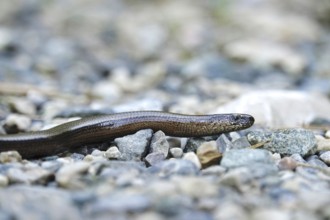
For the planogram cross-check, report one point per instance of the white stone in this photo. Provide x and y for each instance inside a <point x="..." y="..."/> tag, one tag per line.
<point x="279" y="109"/>
<point x="191" y="156"/>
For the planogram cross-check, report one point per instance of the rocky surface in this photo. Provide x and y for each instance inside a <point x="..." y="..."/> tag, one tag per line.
<point x="62" y="60"/>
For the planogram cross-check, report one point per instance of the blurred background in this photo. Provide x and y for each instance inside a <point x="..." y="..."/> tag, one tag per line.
<point x="183" y="56"/>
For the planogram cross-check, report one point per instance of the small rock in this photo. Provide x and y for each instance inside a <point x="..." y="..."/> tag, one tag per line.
<point x="298" y="158"/>
<point x="97" y="153"/>
<point x="246" y="157"/>
<point x="176" y="142"/>
<point x="327" y="134"/>
<point x="319" y="200"/>
<point x="241" y="143"/>
<point x="77" y="156"/>
<point x="154" y="158"/>
<point x="287" y="163"/>
<point x="323" y="144"/>
<point x="66" y="177"/>
<point x="285" y="141"/>
<point x="159" y="143"/>
<point x="10" y="157"/>
<point x="118" y="203"/>
<point x="230" y="210"/>
<point x="3" y="181"/>
<point x="214" y="170"/>
<point x="115" y="168"/>
<point x="193" y="144"/>
<point x="16" y="123"/>
<point x="91" y="158"/>
<point x="149" y="215"/>
<point x="30" y="202"/>
<point x="266" y="53"/>
<point x="208" y="154"/>
<point x="134" y="147"/>
<point x="176" y="152"/>
<point x="238" y="178"/>
<point x="23" y="106"/>
<point x="270" y="108"/>
<point x="151" y="104"/>
<point x="51" y="166"/>
<point x="6" y="39"/>
<point x="270" y="214"/>
<point x="277" y="157"/>
<point x="175" y="167"/>
<point x="113" y="153"/>
<point x="129" y="178"/>
<point x="315" y="161"/>
<point x="325" y="157"/>
<point x="191" y="156"/>
<point x="28" y="175"/>
<point x="234" y="136"/>
<point x="65" y="160"/>
<point x="305" y="215"/>
<point x="107" y="90"/>
<point x="224" y="143"/>
<point x="189" y="185"/>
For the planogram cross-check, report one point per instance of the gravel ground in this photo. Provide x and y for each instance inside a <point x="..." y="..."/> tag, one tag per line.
<point x="62" y="60"/>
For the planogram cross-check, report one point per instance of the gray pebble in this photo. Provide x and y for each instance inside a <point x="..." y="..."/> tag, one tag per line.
<point x="154" y="158"/>
<point x="176" y="142"/>
<point x="325" y="157"/>
<point x="298" y="158"/>
<point x="10" y="157"/>
<point x="31" y="202"/>
<point x="114" y="168"/>
<point x="327" y="134"/>
<point x="91" y="158"/>
<point x="175" y="167"/>
<point x="238" y="177"/>
<point x="6" y="39"/>
<point x="15" y="123"/>
<point x="159" y="144"/>
<point x="134" y="147"/>
<point x="97" y="153"/>
<point x="246" y="157"/>
<point x="192" y="144"/>
<point x="29" y="175"/>
<point x="77" y="156"/>
<point x="230" y="210"/>
<point x="287" y="163"/>
<point x="270" y="214"/>
<point x="323" y="144"/>
<point x="215" y="170"/>
<point x="285" y="141"/>
<point x="67" y="176"/>
<point x="23" y="106"/>
<point x="224" y="143"/>
<point x="315" y="161"/>
<point x="194" y="214"/>
<point x="241" y="143"/>
<point x="3" y="180"/>
<point x="304" y="215"/>
<point x="314" y="201"/>
<point x="113" y="153"/>
<point x="51" y="166"/>
<point x="234" y="136"/>
<point x="176" y="152"/>
<point x="119" y="203"/>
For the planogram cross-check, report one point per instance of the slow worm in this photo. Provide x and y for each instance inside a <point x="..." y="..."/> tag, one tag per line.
<point x="98" y="129"/>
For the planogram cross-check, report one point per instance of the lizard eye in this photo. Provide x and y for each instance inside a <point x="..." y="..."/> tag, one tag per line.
<point x="236" y="117"/>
